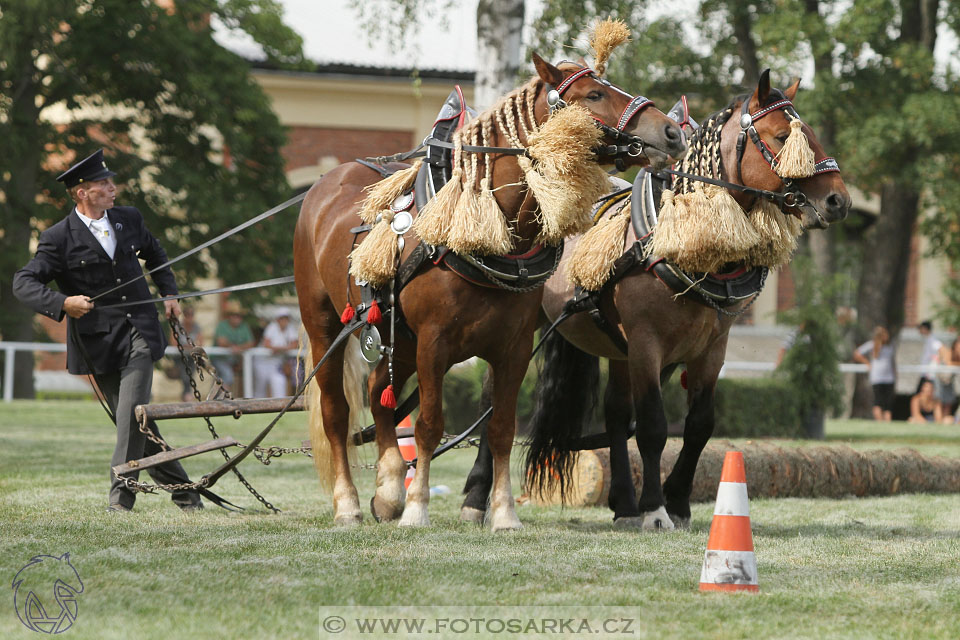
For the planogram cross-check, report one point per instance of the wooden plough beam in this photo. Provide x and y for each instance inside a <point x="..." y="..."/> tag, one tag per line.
<point x="209" y="408"/>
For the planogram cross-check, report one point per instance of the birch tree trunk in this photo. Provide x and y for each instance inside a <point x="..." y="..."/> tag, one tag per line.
<point x="499" y="27"/>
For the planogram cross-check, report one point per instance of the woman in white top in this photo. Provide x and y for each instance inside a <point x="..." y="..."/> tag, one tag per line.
<point x="879" y="356"/>
<point x="280" y="336"/>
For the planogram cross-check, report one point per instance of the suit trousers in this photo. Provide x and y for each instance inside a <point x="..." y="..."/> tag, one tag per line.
<point x="123" y="390"/>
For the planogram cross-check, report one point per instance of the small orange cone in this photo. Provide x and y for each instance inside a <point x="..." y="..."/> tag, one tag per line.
<point x="408" y="449"/>
<point x="729" y="563"/>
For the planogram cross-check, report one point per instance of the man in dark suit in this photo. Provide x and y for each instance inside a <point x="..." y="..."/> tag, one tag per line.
<point x="95" y="249"/>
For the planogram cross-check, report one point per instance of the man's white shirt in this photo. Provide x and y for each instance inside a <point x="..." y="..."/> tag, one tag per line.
<point x="103" y="231"/>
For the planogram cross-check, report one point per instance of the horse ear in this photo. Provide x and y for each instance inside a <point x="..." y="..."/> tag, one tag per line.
<point x="763" y="88"/>
<point x="547" y="72"/>
<point x="791" y="91"/>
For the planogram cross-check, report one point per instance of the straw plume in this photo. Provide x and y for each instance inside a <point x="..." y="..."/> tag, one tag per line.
<point x="607" y="35"/>
<point x="592" y="262"/>
<point x="562" y="173"/>
<point x="375" y="259"/>
<point x="380" y="195"/>
<point x="796" y="159"/>
<point x="778" y="232"/>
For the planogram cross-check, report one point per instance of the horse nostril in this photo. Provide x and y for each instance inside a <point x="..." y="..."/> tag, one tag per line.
<point x="672" y="133"/>
<point x="838" y="204"/>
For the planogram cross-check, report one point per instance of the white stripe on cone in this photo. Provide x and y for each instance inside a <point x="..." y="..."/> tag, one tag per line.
<point x="732" y="500"/>
<point x="729" y="567"/>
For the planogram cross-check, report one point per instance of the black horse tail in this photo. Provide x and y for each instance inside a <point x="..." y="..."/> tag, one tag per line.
<point x="565" y="396"/>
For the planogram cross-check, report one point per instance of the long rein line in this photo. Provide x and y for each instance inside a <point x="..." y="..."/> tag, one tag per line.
<point x="252" y="221"/>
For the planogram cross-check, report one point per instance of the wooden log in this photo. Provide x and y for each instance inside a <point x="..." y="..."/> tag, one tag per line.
<point x="774" y="471"/>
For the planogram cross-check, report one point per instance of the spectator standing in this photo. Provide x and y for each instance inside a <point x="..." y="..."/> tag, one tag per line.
<point x="879" y="354"/>
<point x="931" y="349"/>
<point x="234" y="334"/>
<point x="279" y="336"/>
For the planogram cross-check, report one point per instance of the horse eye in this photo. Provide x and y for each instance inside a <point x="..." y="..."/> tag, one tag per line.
<point x="594" y="95"/>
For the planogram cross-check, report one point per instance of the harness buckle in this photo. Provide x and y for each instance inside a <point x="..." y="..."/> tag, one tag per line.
<point x="635" y="148"/>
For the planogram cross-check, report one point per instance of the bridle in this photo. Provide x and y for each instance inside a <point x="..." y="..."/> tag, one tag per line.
<point x="624" y="144"/>
<point x="791" y="195"/>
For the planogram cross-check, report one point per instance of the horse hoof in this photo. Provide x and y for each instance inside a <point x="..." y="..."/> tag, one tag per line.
<point x="348" y="521"/>
<point x="628" y="522"/>
<point x="657" y="521"/>
<point x="384" y="511"/>
<point x="414" y="515"/>
<point x="469" y="514"/>
<point x="505" y="521"/>
<point x="680" y="522"/>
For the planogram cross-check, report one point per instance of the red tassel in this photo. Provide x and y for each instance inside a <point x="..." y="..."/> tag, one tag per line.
<point x="347" y="314"/>
<point x="374" y="316"/>
<point x="683" y="379"/>
<point x="387" y="399"/>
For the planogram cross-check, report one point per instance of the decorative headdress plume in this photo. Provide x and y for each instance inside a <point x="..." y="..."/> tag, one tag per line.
<point x="607" y="35"/>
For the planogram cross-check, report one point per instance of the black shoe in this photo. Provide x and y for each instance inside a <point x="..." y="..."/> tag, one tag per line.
<point x="117" y="507"/>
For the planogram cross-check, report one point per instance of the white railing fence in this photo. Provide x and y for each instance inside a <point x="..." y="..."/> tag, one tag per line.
<point x="9" y="350"/>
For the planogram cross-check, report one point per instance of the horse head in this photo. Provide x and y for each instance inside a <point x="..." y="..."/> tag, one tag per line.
<point x="763" y="131"/>
<point x="637" y="133"/>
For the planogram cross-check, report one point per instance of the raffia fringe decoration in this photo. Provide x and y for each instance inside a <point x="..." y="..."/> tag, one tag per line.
<point x="380" y="195"/>
<point x="433" y="222"/>
<point x="563" y="175"/>
<point x="592" y="261"/>
<point x="796" y="159"/>
<point x="375" y="259"/>
<point x="607" y="36"/>
<point x="779" y="233"/>
<point x="478" y="225"/>
<point x="703" y="230"/>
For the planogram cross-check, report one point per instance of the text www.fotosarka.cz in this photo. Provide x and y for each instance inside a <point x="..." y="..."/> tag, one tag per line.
<point x="477" y="621"/>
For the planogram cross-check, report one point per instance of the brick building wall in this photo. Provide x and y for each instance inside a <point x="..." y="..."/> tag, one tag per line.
<point x="309" y="146"/>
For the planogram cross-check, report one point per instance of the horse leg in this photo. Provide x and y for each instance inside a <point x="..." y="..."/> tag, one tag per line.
<point x="618" y="411"/>
<point x="387" y="502"/>
<point x="480" y="479"/>
<point x="651" y="437"/>
<point x="508" y="374"/>
<point x="431" y="367"/>
<point x="698" y="427"/>
<point x="335" y="412"/>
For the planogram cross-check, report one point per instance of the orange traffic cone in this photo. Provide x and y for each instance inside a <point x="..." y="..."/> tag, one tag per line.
<point x="729" y="563"/>
<point x="408" y="449"/>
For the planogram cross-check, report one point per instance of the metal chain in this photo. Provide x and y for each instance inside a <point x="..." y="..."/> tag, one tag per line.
<point x="199" y="355"/>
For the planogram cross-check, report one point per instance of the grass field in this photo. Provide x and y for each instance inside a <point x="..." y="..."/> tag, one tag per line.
<point x="853" y="568"/>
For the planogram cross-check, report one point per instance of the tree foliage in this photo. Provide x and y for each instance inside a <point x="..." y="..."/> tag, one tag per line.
<point x="190" y="133"/>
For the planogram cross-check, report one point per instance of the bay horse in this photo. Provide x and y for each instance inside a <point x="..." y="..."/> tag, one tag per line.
<point x="649" y="328"/>
<point x="443" y="318"/>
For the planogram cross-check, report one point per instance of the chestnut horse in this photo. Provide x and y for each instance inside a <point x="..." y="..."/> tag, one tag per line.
<point x="448" y="318"/>
<point x="662" y="330"/>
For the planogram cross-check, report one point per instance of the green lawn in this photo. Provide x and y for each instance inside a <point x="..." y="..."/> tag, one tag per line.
<point x="853" y="568"/>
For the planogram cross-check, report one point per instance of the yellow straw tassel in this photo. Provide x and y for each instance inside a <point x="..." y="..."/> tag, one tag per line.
<point x="380" y="195"/>
<point x="779" y="233"/>
<point x="375" y="259"/>
<point x="478" y="225"/>
<point x="592" y="261"/>
<point x="433" y="222"/>
<point x="702" y="230"/>
<point x="796" y="159"/>
<point x="607" y="36"/>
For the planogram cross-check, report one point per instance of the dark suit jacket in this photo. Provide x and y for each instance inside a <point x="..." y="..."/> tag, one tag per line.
<point x="69" y="254"/>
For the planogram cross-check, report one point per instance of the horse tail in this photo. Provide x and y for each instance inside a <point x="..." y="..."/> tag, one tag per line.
<point x="354" y="379"/>
<point x="565" y="395"/>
